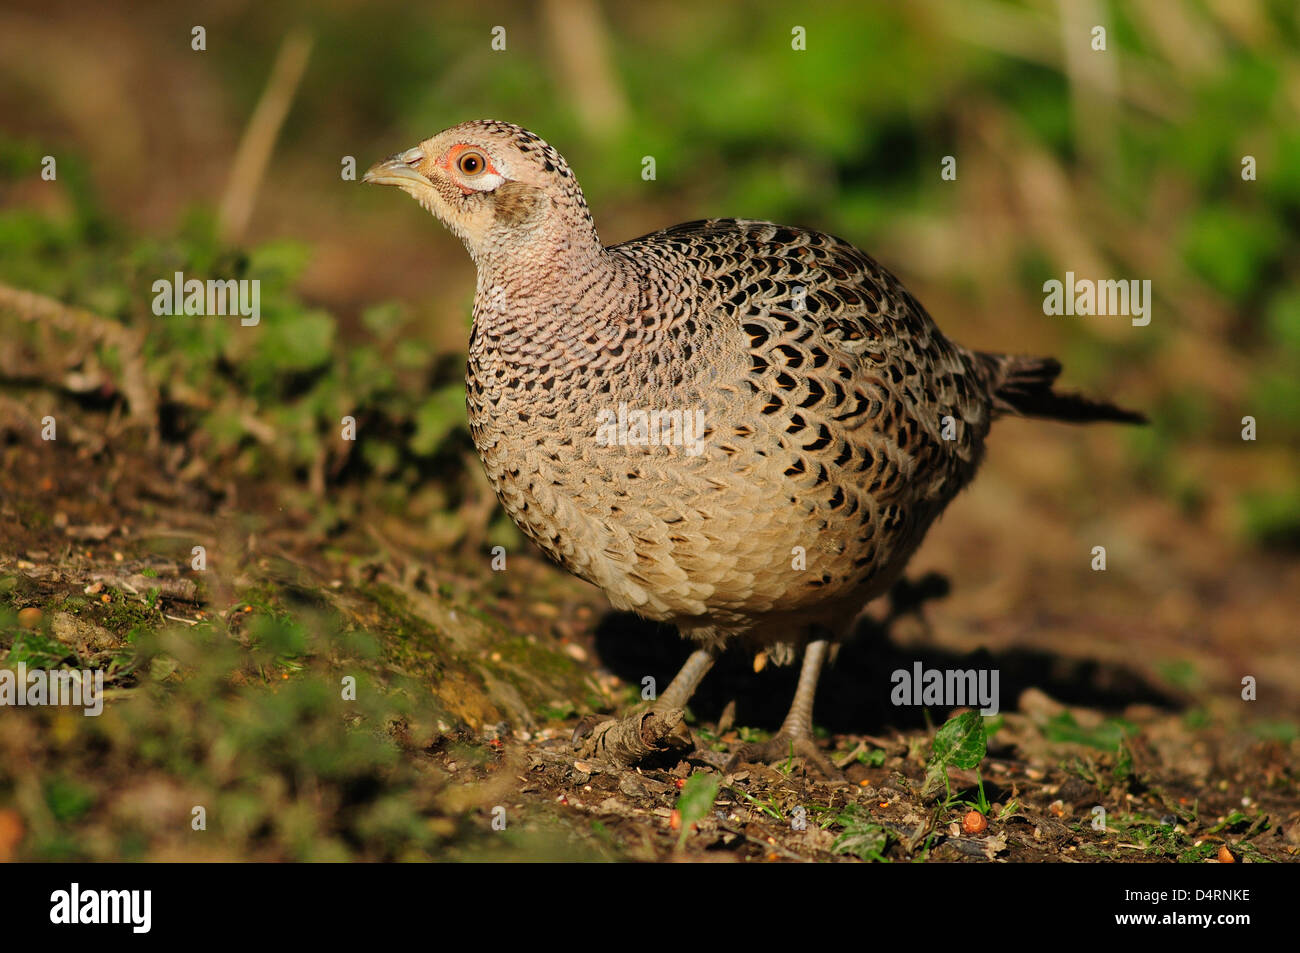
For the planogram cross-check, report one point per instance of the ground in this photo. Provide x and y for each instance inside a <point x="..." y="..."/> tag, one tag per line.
<point x="496" y="667"/>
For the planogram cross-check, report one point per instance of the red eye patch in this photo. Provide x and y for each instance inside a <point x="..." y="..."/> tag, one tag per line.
<point x="465" y="163"/>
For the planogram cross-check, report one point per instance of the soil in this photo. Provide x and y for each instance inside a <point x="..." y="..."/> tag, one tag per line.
<point x="1128" y="701"/>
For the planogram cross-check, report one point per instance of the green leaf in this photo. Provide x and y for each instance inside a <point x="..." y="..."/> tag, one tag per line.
<point x="1231" y="248"/>
<point x="1108" y="736"/>
<point x="280" y="261"/>
<point x="960" y="742"/>
<point x="67" y="800"/>
<point x="696" y="801"/>
<point x="297" y="342"/>
<point x="437" y="417"/>
<point x="279" y="635"/>
<point x="873" y="758"/>
<point x="862" y="837"/>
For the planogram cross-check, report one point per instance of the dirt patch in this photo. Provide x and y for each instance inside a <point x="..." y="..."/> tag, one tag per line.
<point x="475" y="681"/>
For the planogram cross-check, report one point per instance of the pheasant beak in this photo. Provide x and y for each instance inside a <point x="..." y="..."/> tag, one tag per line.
<point x="398" y="170"/>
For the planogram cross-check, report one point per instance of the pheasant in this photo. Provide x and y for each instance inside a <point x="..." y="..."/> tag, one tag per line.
<point x="738" y="427"/>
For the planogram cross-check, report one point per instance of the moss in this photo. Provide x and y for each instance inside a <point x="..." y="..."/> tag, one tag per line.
<point x="123" y="614"/>
<point x="410" y="641"/>
<point x="536" y="658"/>
<point x="17" y="590"/>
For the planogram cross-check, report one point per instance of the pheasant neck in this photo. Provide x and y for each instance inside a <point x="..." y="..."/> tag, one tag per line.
<point x="547" y="291"/>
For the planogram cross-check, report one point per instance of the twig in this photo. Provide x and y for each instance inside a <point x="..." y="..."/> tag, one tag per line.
<point x="260" y="135"/>
<point x="83" y="324"/>
<point x="581" y="42"/>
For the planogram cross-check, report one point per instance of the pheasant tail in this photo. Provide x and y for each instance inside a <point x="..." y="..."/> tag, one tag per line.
<point x="1022" y="385"/>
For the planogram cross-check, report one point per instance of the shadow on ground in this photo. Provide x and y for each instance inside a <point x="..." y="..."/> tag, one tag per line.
<point x="854" y="694"/>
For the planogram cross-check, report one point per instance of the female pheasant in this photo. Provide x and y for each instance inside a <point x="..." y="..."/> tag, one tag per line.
<point x="739" y="427"/>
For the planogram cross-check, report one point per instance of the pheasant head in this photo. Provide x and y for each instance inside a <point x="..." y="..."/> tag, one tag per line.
<point x="497" y="187"/>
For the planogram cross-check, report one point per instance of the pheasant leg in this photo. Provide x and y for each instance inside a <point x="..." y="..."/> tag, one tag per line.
<point x="652" y="731"/>
<point x="795" y="736"/>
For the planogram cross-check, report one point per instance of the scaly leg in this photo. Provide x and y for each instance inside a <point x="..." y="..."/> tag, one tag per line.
<point x="795" y="735"/>
<point x="655" y="730"/>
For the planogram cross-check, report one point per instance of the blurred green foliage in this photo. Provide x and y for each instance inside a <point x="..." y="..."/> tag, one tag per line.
<point x="247" y="718"/>
<point x="846" y="135"/>
<point x="267" y="400"/>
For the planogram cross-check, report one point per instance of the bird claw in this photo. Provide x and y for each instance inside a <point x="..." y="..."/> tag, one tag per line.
<point x="634" y="739"/>
<point x="586" y="725"/>
<point x="782" y="747"/>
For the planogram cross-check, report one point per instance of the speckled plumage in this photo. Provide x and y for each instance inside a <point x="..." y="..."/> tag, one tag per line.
<point x="822" y="427"/>
<point x="824" y="387"/>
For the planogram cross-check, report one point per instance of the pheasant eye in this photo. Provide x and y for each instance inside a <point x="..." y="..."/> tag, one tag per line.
<point x="471" y="163"/>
